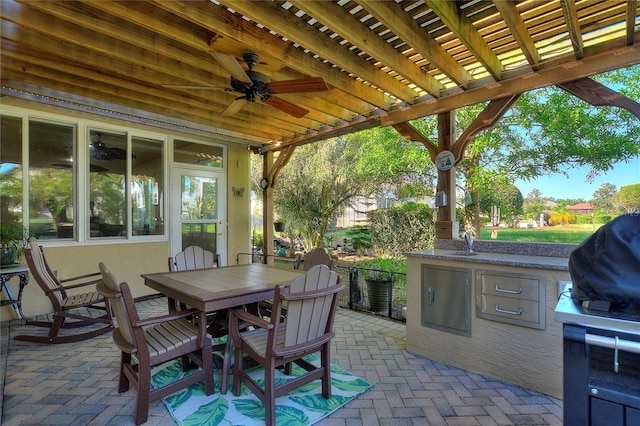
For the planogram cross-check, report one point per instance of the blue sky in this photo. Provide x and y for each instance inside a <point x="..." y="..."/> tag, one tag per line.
<point x="575" y="186"/>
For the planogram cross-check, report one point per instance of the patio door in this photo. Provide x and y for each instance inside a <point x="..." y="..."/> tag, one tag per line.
<point x="198" y="210"/>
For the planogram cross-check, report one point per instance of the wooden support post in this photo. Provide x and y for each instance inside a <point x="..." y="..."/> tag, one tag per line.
<point x="446" y="225"/>
<point x="267" y="209"/>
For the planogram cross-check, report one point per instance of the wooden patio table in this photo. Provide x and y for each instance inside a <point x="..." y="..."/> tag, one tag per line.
<point x="213" y="289"/>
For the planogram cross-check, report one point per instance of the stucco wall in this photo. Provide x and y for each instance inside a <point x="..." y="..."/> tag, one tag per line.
<point x="527" y="357"/>
<point x="127" y="261"/>
<point x="238" y="206"/>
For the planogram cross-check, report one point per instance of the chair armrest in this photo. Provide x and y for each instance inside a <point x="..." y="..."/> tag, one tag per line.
<point x="80" y="277"/>
<point x="166" y="318"/>
<point x="250" y="319"/>
<point x="78" y="285"/>
<point x="69" y="287"/>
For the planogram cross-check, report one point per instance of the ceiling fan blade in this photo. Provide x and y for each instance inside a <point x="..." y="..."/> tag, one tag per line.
<point x="187" y="86"/>
<point x="286" y="106"/>
<point x="230" y="63"/>
<point x="234" y="107"/>
<point x="314" y="84"/>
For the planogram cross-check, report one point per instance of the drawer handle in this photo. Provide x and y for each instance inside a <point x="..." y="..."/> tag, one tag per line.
<point x="501" y="290"/>
<point x="504" y="311"/>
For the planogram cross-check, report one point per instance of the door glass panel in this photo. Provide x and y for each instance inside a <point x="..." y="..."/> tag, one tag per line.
<point x="199" y="234"/>
<point x="198" y="211"/>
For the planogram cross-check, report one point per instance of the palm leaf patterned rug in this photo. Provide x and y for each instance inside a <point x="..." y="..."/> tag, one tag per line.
<point x="300" y="407"/>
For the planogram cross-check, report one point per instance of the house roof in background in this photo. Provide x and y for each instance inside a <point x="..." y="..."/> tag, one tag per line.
<point x="580" y="206"/>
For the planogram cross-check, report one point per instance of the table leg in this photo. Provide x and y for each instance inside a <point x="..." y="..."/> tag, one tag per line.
<point x="24" y="280"/>
<point x="15" y="303"/>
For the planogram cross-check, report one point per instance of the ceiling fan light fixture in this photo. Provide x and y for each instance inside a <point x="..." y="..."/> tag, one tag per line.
<point x="251" y="59"/>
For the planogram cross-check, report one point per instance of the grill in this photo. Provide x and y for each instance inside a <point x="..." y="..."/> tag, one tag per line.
<point x="601" y="374"/>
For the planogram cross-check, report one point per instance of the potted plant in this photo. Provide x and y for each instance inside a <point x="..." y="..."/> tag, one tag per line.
<point x="13" y="239"/>
<point x="377" y="273"/>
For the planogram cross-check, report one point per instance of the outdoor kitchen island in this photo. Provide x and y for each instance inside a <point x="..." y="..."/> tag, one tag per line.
<point x="490" y="312"/>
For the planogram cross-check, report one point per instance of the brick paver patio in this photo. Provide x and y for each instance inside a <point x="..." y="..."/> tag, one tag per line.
<point x="76" y="384"/>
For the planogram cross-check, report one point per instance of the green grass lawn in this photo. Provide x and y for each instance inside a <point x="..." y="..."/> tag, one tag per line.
<point x="571" y="234"/>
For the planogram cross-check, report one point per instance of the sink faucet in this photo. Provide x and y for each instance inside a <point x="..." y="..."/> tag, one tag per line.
<point x="468" y="238"/>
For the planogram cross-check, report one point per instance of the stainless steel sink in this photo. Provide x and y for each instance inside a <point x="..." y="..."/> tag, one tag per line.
<point x="462" y="253"/>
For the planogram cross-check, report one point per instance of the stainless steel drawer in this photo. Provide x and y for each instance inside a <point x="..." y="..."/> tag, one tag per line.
<point x="510" y="308"/>
<point x="510" y="297"/>
<point x="507" y="286"/>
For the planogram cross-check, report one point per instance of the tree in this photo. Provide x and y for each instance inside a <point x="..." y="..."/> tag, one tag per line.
<point x="533" y="205"/>
<point x="602" y="197"/>
<point x="547" y="131"/>
<point x="628" y="198"/>
<point x="321" y="178"/>
<point x="506" y="196"/>
<point x="550" y="131"/>
<point x="535" y="195"/>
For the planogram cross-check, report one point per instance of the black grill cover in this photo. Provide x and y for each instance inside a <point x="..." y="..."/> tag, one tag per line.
<point x="606" y="266"/>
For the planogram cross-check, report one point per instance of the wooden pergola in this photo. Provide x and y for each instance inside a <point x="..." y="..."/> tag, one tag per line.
<point x="335" y="67"/>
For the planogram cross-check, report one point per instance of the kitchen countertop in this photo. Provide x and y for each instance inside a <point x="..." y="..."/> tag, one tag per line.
<point x="519" y="260"/>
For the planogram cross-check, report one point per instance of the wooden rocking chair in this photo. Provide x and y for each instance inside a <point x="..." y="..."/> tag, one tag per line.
<point x="65" y="306"/>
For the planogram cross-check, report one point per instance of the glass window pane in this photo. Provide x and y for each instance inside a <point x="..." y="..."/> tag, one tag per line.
<point x="147" y="187"/>
<point x="197" y="153"/>
<point x="11" y="170"/>
<point x="107" y="184"/>
<point x="51" y="187"/>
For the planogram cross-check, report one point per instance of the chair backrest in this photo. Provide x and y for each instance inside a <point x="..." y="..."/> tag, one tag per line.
<point x="193" y="257"/>
<point x="312" y="299"/>
<point x="317" y="256"/>
<point x="120" y="303"/>
<point x="41" y="271"/>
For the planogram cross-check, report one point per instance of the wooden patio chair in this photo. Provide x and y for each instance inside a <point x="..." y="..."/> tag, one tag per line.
<point x="193" y="257"/>
<point x="66" y="306"/>
<point x="148" y="342"/>
<point x="317" y="256"/>
<point x="307" y="328"/>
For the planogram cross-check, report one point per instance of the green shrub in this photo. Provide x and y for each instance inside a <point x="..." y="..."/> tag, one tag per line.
<point x="381" y="268"/>
<point x="603" y="218"/>
<point x="401" y="229"/>
<point x="359" y="238"/>
<point x="257" y="239"/>
<point x="584" y="219"/>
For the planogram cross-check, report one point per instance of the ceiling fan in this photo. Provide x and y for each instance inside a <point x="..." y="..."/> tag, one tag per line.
<point x="99" y="151"/>
<point x="254" y="85"/>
